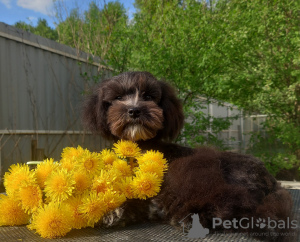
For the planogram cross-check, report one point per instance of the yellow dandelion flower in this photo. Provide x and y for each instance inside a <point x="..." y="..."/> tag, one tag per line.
<point x="68" y="164"/>
<point x="90" y="162"/>
<point x="114" y="174"/>
<point x="108" y="156"/>
<point x="93" y="207"/>
<point x="126" y="148"/>
<point x="31" y="197"/>
<point x="11" y="213"/>
<point x="103" y="182"/>
<point x="17" y="175"/>
<point x="153" y="157"/>
<point x="79" y="220"/>
<point x="71" y="152"/>
<point x="122" y="167"/>
<point x="43" y="170"/>
<point x="151" y="167"/>
<point x="125" y="187"/>
<point x="146" y="185"/>
<point x="59" y="186"/>
<point x="53" y="220"/>
<point x="113" y="200"/>
<point x="82" y="181"/>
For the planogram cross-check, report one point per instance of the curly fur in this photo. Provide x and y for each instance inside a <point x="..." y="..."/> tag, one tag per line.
<point x="135" y="106"/>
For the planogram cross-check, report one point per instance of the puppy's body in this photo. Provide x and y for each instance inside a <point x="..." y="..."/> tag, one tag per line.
<point x="211" y="183"/>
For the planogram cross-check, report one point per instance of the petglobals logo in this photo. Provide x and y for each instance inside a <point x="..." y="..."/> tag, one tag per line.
<point x="193" y="229"/>
<point x="251" y="223"/>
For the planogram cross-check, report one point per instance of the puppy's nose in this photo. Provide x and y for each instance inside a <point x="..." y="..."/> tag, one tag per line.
<point x="134" y="112"/>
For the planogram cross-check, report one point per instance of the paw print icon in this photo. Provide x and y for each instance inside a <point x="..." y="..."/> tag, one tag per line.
<point x="261" y="223"/>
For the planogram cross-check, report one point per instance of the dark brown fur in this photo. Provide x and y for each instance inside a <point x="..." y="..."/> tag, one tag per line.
<point x="136" y="106"/>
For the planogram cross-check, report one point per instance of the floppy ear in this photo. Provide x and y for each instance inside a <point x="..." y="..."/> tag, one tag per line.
<point x="172" y="110"/>
<point x="94" y="113"/>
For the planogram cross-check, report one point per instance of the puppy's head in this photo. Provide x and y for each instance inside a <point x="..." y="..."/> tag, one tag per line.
<point x="133" y="106"/>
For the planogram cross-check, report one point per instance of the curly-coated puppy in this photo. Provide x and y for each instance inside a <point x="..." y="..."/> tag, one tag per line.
<point x="216" y="185"/>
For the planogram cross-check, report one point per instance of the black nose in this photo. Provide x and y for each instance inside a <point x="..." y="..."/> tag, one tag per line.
<point x="134" y="112"/>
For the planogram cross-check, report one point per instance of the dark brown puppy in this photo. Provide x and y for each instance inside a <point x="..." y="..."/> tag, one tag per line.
<point x="229" y="186"/>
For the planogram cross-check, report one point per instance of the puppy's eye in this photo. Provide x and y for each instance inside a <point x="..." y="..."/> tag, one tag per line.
<point x="119" y="97"/>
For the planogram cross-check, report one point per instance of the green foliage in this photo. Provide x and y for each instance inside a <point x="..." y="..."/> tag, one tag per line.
<point x="42" y="29"/>
<point x="279" y="162"/>
<point x="69" y="30"/>
<point x="273" y="152"/>
<point x="97" y="31"/>
<point x="262" y="42"/>
<point x="279" y="149"/>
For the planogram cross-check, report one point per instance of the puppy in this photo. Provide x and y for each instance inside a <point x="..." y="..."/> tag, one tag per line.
<point x="213" y="184"/>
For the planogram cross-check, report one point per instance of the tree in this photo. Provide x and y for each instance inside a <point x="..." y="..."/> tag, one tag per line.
<point x="243" y="52"/>
<point x="263" y="71"/>
<point x="96" y="31"/>
<point x="42" y="29"/>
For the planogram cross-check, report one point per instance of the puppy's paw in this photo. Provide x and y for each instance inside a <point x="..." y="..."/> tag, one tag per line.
<point x="114" y="218"/>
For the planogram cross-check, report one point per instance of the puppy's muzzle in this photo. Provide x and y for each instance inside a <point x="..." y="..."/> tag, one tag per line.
<point x="135" y="120"/>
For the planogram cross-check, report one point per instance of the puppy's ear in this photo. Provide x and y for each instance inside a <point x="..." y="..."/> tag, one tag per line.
<point x="172" y="110"/>
<point x="94" y="113"/>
